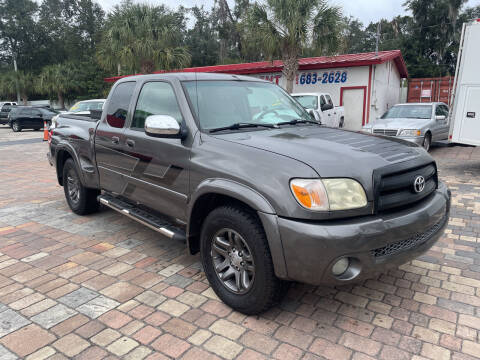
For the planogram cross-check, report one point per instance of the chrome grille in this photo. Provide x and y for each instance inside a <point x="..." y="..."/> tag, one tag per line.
<point x="409" y="243"/>
<point x="386" y="132"/>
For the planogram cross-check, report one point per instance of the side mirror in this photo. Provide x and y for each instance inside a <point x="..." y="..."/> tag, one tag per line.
<point x="162" y="126"/>
<point x="326" y="107"/>
<point x="440" y="117"/>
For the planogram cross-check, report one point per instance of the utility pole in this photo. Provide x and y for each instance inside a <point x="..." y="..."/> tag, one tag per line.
<point x="379" y="26"/>
<point x="16" y="79"/>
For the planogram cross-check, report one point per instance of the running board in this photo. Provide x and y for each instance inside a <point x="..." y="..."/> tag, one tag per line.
<point x="159" y="224"/>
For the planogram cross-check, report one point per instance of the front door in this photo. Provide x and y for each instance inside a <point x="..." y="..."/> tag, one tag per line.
<point x="159" y="178"/>
<point x="112" y="162"/>
<point x="441" y="126"/>
<point x="36" y="120"/>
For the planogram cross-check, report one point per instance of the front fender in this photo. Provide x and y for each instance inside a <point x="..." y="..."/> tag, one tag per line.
<point x="254" y="200"/>
<point x="233" y="189"/>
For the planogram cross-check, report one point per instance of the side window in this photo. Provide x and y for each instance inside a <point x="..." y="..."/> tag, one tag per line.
<point x="445" y="109"/>
<point x="118" y="104"/>
<point x="329" y="100"/>
<point x="156" y="98"/>
<point x="322" y="101"/>
<point x="438" y="110"/>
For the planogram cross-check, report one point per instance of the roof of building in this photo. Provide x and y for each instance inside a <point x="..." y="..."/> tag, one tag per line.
<point x="321" y="62"/>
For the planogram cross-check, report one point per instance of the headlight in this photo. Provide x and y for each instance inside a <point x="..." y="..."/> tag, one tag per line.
<point x="410" y="133"/>
<point x="328" y="194"/>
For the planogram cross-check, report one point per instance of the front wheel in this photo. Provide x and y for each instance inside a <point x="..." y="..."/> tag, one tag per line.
<point x="341" y="123"/>
<point x="16" y="126"/>
<point x="80" y="199"/>
<point x="427" y="142"/>
<point x="237" y="261"/>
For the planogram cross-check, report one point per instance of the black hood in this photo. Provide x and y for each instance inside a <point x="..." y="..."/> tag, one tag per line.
<point x="331" y="152"/>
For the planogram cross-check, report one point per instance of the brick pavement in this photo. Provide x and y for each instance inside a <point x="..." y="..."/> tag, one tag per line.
<point x="103" y="286"/>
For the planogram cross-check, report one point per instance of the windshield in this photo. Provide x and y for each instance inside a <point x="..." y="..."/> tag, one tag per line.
<point x="224" y="103"/>
<point x="409" y="112"/>
<point x="307" y="101"/>
<point x="87" y="106"/>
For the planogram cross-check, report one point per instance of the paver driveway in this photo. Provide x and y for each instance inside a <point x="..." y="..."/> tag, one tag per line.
<point x="103" y="286"/>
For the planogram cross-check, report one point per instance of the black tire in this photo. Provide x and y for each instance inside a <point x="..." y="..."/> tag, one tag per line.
<point x="36" y="129"/>
<point x="81" y="200"/>
<point x="16" y="127"/>
<point x="427" y="142"/>
<point x="342" y="123"/>
<point x="265" y="289"/>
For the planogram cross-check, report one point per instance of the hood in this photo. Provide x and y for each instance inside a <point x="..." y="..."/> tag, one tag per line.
<point x="401" y="123"/>
<point x="331" y="152"/>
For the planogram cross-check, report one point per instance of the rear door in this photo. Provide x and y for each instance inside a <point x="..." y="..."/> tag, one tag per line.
<point x="112" y="162"/>
<point x="25" y="118"/>
<point x="159" y="176"/>
<point x="470" y="116"/>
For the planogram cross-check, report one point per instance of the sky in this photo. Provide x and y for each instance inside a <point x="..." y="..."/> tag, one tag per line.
<point x="365" y="10"/>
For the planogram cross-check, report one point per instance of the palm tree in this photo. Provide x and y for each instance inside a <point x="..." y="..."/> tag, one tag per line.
<point x="286" y="27"/>
<point x="140" y="37"/>
<point x="9" y="81"/>
<point x="58" y="80"/>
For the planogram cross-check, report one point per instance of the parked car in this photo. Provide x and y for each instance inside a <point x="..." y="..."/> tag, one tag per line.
<point x="5" y="108"/>
<point x="87" y="105"/>
<point x="420" y="123"/>
<point x="235" y="167"/>
<point x="29" y="117"/>
<point x="323" y="108"/>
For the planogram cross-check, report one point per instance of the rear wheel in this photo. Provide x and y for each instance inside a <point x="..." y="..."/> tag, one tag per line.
<point x="81" y="200"/>
<point x="342" y="122"/>
<point x="427" y="142"/>
<point x="16" y="126"/>
<point x="237" y="260"/>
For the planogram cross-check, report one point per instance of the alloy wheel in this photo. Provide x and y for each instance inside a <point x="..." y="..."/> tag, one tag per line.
<point x="73" y="186"/>
<point x="233" y="261"/>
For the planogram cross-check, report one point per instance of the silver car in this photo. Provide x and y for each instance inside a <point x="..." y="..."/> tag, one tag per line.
<point x="421" y="123"/>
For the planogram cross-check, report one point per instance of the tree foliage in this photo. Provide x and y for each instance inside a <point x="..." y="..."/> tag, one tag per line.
<point x="48" y="36"/>
<point x="286" y="27"/>
<point x="144" y="38"/>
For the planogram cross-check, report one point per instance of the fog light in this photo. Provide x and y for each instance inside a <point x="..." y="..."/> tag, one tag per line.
<point x="340" y="266"/>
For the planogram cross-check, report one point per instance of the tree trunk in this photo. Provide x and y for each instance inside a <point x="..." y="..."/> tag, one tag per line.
<point x="290" y="67"/>
<point x="61" y="101"/>
<point x="25" y="99"/>
<point x="147" y="67"/>
<point x="119" y="69"/>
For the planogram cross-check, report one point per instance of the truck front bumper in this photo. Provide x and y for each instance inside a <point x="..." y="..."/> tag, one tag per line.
<point x="371" y="244"/>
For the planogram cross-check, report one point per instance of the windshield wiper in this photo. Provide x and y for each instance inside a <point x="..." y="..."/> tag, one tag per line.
<point x="237" y="126"/>
<point x="297" y="121"/>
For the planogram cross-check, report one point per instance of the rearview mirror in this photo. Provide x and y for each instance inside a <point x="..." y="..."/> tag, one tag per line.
<point x="440" y="117"/>
<point x="162" y="125"/>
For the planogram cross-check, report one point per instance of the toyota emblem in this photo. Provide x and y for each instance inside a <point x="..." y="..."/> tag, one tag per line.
<point x="419" y="184"/>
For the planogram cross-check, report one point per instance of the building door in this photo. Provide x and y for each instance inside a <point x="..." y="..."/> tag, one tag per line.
<point x="353" y="100"/>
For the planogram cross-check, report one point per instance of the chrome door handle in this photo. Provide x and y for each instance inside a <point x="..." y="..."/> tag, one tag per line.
<point x="115" y="139"/>
<point x="130" y="143"/>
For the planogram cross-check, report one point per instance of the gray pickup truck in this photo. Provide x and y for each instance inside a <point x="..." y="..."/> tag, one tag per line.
<point x="237" y="168"/>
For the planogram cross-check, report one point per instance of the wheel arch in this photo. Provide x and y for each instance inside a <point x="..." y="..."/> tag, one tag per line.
<point x="62" y="155"/>
<point x="213" y="193"/>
